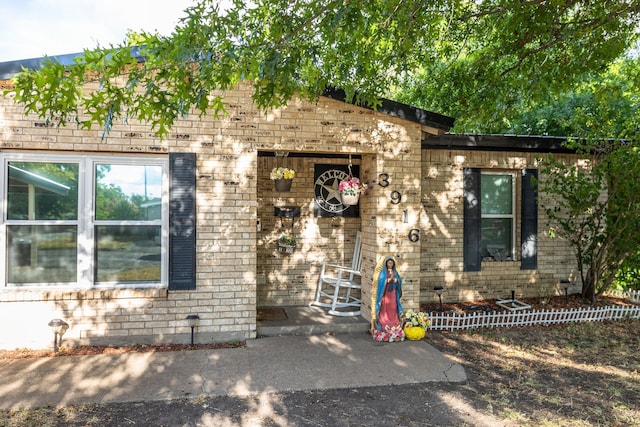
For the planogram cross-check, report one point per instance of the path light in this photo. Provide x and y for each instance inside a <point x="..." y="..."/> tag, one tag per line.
<point x="438" y="290"/>
<point x="59" y="327"/>
<point x="193" y="320"/>
<point x="566" y="295"/>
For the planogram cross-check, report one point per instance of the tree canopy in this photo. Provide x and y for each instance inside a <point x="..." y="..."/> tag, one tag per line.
<point x="465" y="58"/>
<point x="598" y="105"/>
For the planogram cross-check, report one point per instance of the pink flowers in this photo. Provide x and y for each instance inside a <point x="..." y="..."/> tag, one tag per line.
<point x="352" y="186"/>
<point x="388" y="334"/>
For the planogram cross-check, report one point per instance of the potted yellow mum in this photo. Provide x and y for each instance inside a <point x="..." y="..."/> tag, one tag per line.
<point x="415" y="325"/>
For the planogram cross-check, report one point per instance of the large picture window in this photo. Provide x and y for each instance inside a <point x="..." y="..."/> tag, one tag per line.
<point x="85" y="220"/>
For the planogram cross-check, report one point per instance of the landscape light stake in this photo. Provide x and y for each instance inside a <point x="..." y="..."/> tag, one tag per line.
<point x="192" y="319"/>
<point x="438" y="290"/>
<point x="59" y="327"/>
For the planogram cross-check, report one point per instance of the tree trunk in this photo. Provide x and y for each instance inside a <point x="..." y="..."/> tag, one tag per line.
<point x="589" y="286"/>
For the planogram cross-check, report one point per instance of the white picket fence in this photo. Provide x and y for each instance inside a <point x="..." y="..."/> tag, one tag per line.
<point x="631" y="296"/>
<point x="457" y="321"/>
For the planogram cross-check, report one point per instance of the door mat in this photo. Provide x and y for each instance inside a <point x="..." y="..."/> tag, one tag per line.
<point x="271" y="314"/>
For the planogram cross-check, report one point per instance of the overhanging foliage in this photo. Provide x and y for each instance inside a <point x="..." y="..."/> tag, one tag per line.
<point x="481" y="56"/>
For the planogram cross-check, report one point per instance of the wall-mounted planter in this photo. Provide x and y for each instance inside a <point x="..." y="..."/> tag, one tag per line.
<point x="283" y="185"/>
<point x="286" y="249"/>
<point x="287" y="212"/>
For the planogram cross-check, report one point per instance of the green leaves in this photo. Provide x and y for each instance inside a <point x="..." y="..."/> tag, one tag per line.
<point x="478" y="60"/>
<point x="594" y="207"/>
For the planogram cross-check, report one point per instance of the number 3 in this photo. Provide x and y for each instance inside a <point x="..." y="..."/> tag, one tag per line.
<point x="383" y="180"/>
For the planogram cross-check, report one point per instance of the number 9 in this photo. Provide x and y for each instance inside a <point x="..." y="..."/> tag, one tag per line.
<point x="396" y="197"/>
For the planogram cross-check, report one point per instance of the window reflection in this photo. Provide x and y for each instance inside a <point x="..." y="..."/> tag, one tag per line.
<point x="128" y="192"/>
<point x="128" y="253"/>
<point x="497" y="192"/>
<point x="41" y="253"/>
<point x="42" y="191"/>
<point x="497" y="225"/>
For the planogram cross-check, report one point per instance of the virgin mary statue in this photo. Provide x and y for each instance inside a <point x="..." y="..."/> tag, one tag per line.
<point x="387" y="324"/>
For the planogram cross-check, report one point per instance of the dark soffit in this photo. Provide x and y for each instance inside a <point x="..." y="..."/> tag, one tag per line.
<point x="493" y="142"/>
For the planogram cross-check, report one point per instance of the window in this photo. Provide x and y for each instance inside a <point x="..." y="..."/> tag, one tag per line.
<point x="497" y="207"/>
<point x="85" y="220"/>
<point x="490" y="220"/>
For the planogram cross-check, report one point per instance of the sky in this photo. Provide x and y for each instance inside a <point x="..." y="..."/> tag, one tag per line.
<point x="35" y="28"/>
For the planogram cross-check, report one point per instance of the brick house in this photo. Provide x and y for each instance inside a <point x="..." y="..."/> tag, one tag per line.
<point x="125" y="235"/>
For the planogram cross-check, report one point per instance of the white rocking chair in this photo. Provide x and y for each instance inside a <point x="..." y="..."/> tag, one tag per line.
<point x="336" y="283"/>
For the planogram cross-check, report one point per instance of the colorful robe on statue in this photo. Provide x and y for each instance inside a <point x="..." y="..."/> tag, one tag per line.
<point x="388" y="324"/>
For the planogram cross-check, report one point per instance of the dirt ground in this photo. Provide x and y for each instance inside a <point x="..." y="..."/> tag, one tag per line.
<point x="89" y="350"/>
<point x="567" y="375"/>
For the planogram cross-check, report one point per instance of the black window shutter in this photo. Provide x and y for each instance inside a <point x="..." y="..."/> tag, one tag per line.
<point x="182" y="221"/>
<point x="529" y="220"/>
<point x="472" y="219"/>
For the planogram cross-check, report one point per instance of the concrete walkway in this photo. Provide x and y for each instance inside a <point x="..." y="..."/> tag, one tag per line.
<point x="284" y="363"/>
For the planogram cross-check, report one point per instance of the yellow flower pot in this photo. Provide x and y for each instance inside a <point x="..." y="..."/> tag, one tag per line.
<point x="414" y="333"/>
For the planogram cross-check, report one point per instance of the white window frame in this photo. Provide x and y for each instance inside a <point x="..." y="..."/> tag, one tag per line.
<point x="86" y="222"/>
<point x="513" y="215"/>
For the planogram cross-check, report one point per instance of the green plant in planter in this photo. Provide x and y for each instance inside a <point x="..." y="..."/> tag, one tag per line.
<point x="286" y="239"/>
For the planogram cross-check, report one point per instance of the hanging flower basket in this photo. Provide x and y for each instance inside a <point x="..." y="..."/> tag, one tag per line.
<point x="350" y="199"/>
<point x="283" y="185"/>
<point x="350" y="190"/>
<point x="286" y="249"/>
<point x="282" y="178"/>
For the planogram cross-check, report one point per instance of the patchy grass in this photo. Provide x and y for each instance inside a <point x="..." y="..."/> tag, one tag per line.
<point x="582" y="374"/>
<point x="572" y="375"/>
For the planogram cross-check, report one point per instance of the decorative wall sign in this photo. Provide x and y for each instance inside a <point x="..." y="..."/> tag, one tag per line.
<point x="328" y="201"/>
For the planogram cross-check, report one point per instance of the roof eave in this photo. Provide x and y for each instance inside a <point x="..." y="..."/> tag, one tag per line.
<point x="491" y="142"/>
<point x="400" y="110"/>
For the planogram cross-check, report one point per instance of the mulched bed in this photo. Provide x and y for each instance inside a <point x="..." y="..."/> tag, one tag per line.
<point x="93" y="350"/>
<point x="558" y="302"/>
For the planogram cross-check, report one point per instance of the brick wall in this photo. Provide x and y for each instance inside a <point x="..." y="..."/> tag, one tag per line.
<point x="237" y="266"/>
<point x="441" y="220"/>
